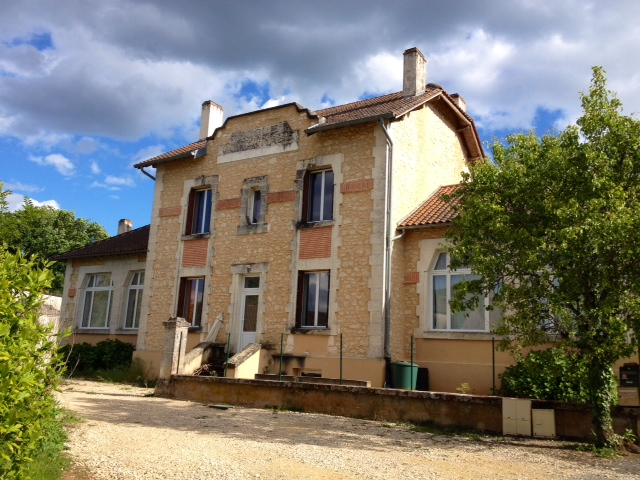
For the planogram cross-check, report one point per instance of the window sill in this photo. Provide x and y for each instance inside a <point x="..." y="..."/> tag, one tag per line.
<point x="127" y="331"/>
<point x="459" y="335"/>
<point x="253" y="228"/>
<point x="196" y="236"/>
<point x="311" y="330"/>
<point x="323" y="223"/>
<point x="92" y="330"/>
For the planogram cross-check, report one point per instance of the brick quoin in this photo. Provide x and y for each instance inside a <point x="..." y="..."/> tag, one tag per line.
<point x="195" y="253"/>
<point x="229" y="204"/>
<point x="277" y="197"/>
<point x="315" y="243"/>
<point x="170" y="211"/>
<point x="412" y="277"/>
<point x="357" y="186"/>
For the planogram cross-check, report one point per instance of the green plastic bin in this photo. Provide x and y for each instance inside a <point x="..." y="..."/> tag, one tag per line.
<point x="404" y="375"/>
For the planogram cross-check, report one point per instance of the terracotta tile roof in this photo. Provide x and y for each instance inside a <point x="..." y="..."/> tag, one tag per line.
<point x="182" y="152"/>
<point x="386" y="106"/>
<point x="434" y="211"/>
<point x="133" y="242"/>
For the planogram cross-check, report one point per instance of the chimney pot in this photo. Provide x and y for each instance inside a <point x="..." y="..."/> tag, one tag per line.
<point x="124" y="226"/>
<point x="212" y="115"/>
<point x="415" y="73"/>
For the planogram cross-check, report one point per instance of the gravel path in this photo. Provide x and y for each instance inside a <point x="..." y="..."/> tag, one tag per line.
<point x="128" y="435"/>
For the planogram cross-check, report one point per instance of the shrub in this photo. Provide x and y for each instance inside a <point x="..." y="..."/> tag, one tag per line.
<point x="553" y="374"/>
<point x="105" y="355"/>
<point x="29" y="371"/>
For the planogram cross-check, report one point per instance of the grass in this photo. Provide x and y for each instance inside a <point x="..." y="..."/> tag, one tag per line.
<point x="49" y="461"/>
<point x="136" y="374"/>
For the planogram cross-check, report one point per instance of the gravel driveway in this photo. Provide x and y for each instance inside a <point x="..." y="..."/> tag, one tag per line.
<point x="126" y="434"/>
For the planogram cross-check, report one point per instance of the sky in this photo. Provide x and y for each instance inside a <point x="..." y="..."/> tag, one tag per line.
<point x="89" y="88"/>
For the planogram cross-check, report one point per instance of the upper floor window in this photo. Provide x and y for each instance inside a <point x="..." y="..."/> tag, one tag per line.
<point x="313" y="299"/>
<point x="255" y="206"/>
<point x="97" y="301"/>
<point x="191" y="300"/>
<point x="320" y="196"/>
<point x="199" y="212"/>
<point x="443" y="282"/>
<point x="134" y="301"/>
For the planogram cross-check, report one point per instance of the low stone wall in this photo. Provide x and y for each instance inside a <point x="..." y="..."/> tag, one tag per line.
<point x="445" y="409"/>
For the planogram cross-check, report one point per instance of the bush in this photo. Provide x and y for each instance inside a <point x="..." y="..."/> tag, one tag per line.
<point x="553" y="374"/>
<point x="29" y="371"/>
<point x="105" y="355"/>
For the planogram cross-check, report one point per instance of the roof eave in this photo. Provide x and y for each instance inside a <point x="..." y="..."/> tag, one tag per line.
<point x="321" y="127"/>
<point x="189" y="154"/>
<point x="427" y="225"/>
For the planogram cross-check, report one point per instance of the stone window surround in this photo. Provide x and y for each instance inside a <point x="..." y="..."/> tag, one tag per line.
<point x="198" y="183"/>
<point x="429" y="250"/>
<point x="250" y="185"/>
<point x="121" y="278"/>
<point x="238" y="272"/>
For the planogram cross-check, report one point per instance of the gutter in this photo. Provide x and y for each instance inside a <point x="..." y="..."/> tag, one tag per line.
<point x="147" y="174"/>
<point x="387" y="249"/>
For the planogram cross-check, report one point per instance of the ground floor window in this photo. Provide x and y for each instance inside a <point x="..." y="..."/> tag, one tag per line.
<point x="442" y="284"/>
<point x="97" y="301"/>
<point x="313" y="299"/>
<point x="191" y="300"/>
<point x="134" y="301"/>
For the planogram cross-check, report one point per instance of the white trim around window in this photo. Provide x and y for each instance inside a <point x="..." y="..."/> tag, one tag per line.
<point x="440" y="287"/>
<point x="97" y="301"/>
<point x="134" y="301"/>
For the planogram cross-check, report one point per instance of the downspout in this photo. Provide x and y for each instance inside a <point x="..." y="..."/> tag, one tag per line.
<point x="387" y="249"/>
<point x="148" y="174"/>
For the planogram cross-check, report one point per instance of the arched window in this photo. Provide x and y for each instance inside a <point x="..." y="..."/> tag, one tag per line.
<point x="97" y="301"/>
<point x="442" y="282"/>
<point x="132" y="318"/>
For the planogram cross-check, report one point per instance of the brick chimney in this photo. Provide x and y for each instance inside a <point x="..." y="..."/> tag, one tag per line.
<point x="415" y="73"/>
<point x="124" y="226"/>
<point x="212" y="114"/>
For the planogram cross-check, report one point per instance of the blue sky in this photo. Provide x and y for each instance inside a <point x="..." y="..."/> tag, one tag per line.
<point x="89" y="88"/>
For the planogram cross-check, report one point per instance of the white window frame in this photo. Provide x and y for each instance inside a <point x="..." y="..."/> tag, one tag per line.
<point x="323" y="215"/>
<point x="447" y="273"/>
<point x="253" y="216"/>
<point x="200" y="205"/>
<point x="185" y="300"/>
<point x="137" y="290"/>
<point x="305" y="298"/>
<point x="89" y="296"/>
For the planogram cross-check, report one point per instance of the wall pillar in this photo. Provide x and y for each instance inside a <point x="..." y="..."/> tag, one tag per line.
<point x="173" y="351"/>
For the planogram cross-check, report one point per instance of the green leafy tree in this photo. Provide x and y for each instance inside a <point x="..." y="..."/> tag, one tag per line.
<point x="552" y="227"/>
<point x="29" y="367"/>
<point x="46" y="231"/>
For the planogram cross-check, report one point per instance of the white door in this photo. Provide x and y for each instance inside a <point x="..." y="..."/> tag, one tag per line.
<point x="249" y="311"/>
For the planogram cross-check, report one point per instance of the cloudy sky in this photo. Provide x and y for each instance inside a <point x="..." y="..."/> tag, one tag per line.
<point x="88" y="88"/>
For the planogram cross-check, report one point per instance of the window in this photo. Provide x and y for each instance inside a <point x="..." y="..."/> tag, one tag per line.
<point x="313" y="299"/>
<point x="191" y="299"/>
<point x="443" y="282"/>
<point x="255" y="207"/>
<point x="319" y="196"/>
<point x="97" y="301"/>
<point x="199" y="213"/>
<point x="132" y="318"/>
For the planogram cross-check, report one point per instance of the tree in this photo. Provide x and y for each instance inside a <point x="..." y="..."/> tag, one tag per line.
<point x="46" y="231"/>
<point x="29" y="366"/>
<point x="551" y="226"/>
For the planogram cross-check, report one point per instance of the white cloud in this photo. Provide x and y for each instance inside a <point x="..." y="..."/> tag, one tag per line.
<point x="16" y="202"/>
<point x="62" y="164"/>
<point x="148" y="152"/>
<point x="17" y="186"/>
<point x="95" y="168"/>
<point x="126" y="181"/>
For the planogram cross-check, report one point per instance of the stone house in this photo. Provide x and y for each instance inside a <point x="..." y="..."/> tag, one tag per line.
<point x="103" y="287"/>
<point x="300" y="227"/>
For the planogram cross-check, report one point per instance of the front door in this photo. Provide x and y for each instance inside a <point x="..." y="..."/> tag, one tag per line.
<point x="249" y="311"/>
